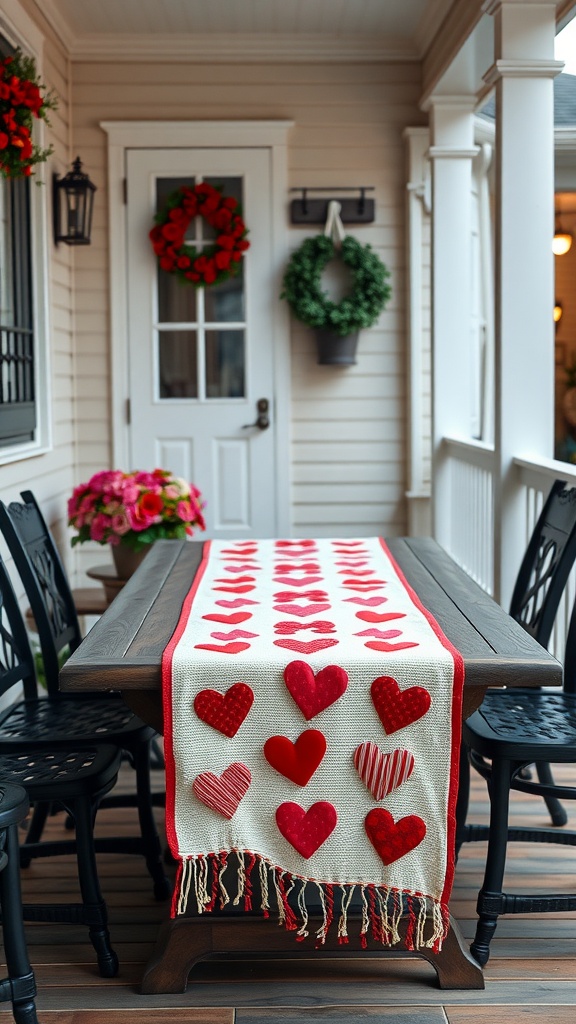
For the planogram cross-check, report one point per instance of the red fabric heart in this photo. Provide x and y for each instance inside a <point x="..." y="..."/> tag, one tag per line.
<point x="391" y="839"/>
<point x="370" y="602"/>
<point x="292" y="567"/>
<point x="234" y="619"/>
<point x="296" y="761"/>
<point x="357" y="572"/>
<point x="299" y="595"/>
<point x="387" y="648"/>
<point x="235" y="553"/>
<point x="382" y="634"/>
<point x="223" y="793"/>
<point x="245" y="589"/>
<point x="224" y="711"/>
<point x="302" y="611"/>
<point x="306" y="831"/>
<point x="364" y="589"/>
<point x="382" y="773"/>
<point x="289" y="581"/>
<point x="237" y="634"/>
<point x="242" y="568"/>
<point x="313" y="693"/>
<point x="240" y="579"/>
<point x="398" y="708"/>
<point x="379" y="616"/>
<point x="234" y="648"/>
<point x="295" y="544"/>
<point x="238" y="602"/>
<point x="305" y="646"/>
<point x="319" y="626"/>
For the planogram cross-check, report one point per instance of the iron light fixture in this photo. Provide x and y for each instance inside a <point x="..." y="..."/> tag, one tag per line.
<point x="73" y="197"/>
<point x="562" y="241"/>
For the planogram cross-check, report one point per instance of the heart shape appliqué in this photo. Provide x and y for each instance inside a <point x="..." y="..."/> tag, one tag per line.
<point x="224" y="711"/>
<point x="223" y="793"/>
<point x="313" y="693"/>
<point x="393" y="839"/>
<point x="296" y="761"/>
<point x="307" y="830"/>
<point x="382" y="773"/>
<point x="398" y="708"/>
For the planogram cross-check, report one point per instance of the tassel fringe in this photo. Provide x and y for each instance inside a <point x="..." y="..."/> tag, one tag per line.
<point x="381" y="908"/>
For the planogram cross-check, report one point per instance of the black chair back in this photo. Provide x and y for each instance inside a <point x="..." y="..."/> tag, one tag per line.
<point x="16" y="658"/>
<point x="545" y="568"/>
<point x="41" y="570"/>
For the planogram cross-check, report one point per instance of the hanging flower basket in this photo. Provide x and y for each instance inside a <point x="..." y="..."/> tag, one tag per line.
<point x="212" y="264"/>
<point x="22" y="98"/>
<point x="336" y="321"/>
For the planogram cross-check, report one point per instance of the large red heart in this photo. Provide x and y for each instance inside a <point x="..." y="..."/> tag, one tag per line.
<point x="382" y="773"/>
<point x="236" y="647"/>
<point x="295" y="544"/>
<point x="234" y="619"/>
<point x="313" y="693"/>
<point x="306" y="831"/>
<point x="379" y="616"/>
<point x="398" y="708"/>
<point x="296" y="761"/>
<point x="305" y="646"/>
<point x="223" y="793"/>
<point x="391" y="839"/>
<point x="304" y="611"/>
<point x="224" y="711"/>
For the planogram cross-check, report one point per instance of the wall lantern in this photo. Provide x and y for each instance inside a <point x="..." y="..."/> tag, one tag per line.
<point x="558" y="313"/>
<point x="73" y="197"/>
<point x="562" y="241"/>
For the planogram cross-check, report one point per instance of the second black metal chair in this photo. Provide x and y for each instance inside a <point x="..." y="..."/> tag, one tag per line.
<point x="91" y="719"/>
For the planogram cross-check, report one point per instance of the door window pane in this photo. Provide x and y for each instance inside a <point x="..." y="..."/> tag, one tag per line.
<point x="178" y="364"/>
<point x="224" y="303"/>
<point x="225" y="359"/>
<point x="176" y="300"/>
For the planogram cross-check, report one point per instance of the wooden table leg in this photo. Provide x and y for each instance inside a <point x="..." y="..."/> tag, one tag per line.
<point x="184" y="942"/>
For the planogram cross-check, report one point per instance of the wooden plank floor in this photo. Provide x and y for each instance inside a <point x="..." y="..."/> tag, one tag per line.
<point x="531" y="975"/>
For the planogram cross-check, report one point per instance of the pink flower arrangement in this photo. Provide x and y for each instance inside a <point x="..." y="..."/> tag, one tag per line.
<point x="135" y="509"/>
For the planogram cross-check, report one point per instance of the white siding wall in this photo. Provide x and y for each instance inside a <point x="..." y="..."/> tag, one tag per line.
<point x="348" y="431"/>
<point x="51" y="476"/>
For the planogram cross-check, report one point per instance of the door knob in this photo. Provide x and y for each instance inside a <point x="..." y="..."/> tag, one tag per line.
<point x="262" y="420"/>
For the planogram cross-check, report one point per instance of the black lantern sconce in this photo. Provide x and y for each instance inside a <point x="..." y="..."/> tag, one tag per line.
<point x="73" y="197"/>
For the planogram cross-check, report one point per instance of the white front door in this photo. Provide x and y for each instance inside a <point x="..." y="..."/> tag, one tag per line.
<point x="201" y="360"/>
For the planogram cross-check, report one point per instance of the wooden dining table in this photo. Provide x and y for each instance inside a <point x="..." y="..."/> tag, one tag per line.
<point x="123" y="652"/>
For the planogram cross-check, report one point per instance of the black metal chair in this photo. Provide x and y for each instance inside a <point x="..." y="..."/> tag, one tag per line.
<point x="19" y="987"/>
<point x="513" y="729"/>
<point x="91" y="719"/>
<point x="73" y="776"/>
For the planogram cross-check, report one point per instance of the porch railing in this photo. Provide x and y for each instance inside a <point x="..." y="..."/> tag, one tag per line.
<point x="471" y="535"/>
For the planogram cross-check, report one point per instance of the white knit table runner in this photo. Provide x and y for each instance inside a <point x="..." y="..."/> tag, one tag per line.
<point x="312" y="714"/>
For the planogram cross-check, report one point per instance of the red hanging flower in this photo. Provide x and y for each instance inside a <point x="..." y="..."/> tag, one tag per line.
<point x="22" y="98"/>
<point x="209" y="264"/>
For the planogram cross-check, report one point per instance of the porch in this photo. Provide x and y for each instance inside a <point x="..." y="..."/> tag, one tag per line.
<point x="530" y="976"/>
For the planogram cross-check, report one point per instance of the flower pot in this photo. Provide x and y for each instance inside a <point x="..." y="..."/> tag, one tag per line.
<point x="126" y="560"/>
<point x="335" y="349"/>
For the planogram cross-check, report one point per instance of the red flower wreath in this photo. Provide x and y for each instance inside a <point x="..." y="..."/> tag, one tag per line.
<point x="23" y="97"/>
<point x="213" y="263"/>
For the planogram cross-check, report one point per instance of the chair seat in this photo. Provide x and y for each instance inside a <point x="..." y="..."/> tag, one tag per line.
<point x="44" y="722"/>
<point x="62" y="774"/>
<point x="524" y="724"/>
<point x="14" y="805"/>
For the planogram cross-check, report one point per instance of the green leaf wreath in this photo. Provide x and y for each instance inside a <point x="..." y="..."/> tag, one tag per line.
<point x="311" y="304"/>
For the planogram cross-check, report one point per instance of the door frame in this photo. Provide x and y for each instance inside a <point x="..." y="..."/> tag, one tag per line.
<point x="272" y="135"/>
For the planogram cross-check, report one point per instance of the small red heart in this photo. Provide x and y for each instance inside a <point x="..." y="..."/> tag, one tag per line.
<point x="357" y="572"/>
<point x="313" y="693"/>
<point x="224" y="711"/>
<point x="245" y="589"/>
<point x="306" y="831"/>
<point x="238" y="602"/>
<point x="391" y="839"/>
<point x="363" y="583"/>
<point x="223" y="793"/>
<point x="382" y="773"/>
<point x="398" y="708"/>
<point x="299" y="595"/>
<point x="387" y="648"/>
<point x="289" y="581"/>
<point x="234" y="648"/>
<point x="319" y="626"/>
<point x="238" y="634"/>
<point x="302" y="612"/>
<point x="303" y="567"/>
<point x="296" y="761"/>
<point x="305" y="646"/>
<point x="370" y="602"/>
<point x="364" y="589"/>
<point x="382" y="634"/>
<point x="295" y="544"/>
<point x="240" y="579"/>
<point x="379" y="616"/>
<point x="242" y="568"/>
<point x="234" y="619"/>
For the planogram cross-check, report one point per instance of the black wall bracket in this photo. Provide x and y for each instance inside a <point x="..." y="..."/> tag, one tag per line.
<point x="358" y="210"/>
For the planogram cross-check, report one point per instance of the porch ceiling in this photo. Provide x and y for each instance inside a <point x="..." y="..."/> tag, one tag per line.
<point x="293" y="29"/>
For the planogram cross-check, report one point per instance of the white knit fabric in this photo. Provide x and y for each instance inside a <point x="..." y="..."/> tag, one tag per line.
<point x="357" y="577"/>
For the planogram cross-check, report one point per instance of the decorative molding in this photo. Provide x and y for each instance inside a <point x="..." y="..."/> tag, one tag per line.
<point x="128" y="134"/>
<point x="492" y="6"/>
<point x="448" y="153"/>
<point x="522" y="69"/>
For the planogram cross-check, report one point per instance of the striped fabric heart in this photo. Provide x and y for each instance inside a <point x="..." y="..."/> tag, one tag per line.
<point x="223" y="793"/>
<point x="382" y="773"/>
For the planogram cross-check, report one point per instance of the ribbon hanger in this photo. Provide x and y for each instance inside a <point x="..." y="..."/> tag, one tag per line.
<point x="334" y="227"/>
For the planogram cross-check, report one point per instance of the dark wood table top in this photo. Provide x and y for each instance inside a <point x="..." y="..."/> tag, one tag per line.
<point x="123" y="649"/>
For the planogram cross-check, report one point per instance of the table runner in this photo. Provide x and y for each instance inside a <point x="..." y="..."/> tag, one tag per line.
<point x="312" y="712"/>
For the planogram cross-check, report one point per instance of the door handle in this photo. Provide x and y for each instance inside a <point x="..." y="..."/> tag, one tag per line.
<point x="262" y="420"/>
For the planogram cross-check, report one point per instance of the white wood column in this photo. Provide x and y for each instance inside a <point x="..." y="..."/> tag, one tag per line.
<point x="451" y="153"/>
<point x="523" y="74"/>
